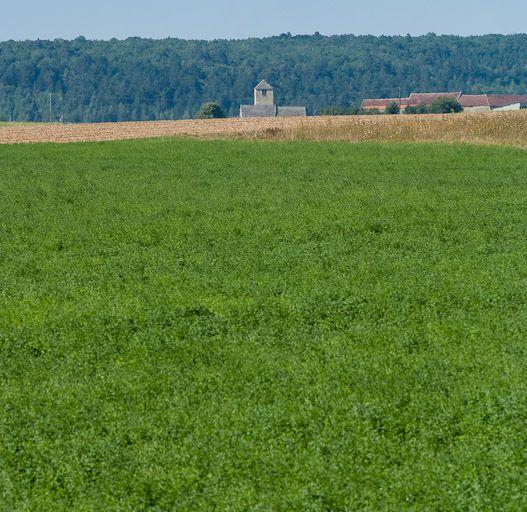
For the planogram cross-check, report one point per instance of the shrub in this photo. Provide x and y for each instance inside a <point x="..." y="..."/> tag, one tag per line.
<point x="210" y="110"/>
<point x="340" y="111"/>
<point x="368" y="112"/>
<point x="419" y="109"/>
<point x="392" y="108"/>
<point x="445" y="106"/>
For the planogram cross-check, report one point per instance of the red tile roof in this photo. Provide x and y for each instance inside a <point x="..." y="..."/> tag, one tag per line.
<point x="502" y="100"/>
<point x="466" y="100"/>
<point x="415" y="99"/>
<point x="426" y="98"/>
<point x="474" y="100"/>
<point x="491" y="100"/>
<point x="384" y="102"/>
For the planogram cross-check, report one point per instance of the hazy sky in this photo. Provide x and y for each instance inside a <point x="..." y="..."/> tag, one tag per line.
<point x="210" y="19"/>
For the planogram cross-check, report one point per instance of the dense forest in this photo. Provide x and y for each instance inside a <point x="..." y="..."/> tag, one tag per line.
<point x="141" y="79"/>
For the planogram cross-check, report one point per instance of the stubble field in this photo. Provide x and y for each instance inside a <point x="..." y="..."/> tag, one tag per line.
<point x="255" y="325"/>
<point x="497" y="128"/>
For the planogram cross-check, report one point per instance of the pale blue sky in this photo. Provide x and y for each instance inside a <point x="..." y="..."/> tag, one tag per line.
<point x="210" y="19"/>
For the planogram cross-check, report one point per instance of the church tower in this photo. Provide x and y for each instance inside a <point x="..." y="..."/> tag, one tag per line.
<point x="263" y="94"/>
<point x="264" y="105"/>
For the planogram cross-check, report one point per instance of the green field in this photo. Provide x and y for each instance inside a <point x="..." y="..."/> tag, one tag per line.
<point x="261" y="326"/>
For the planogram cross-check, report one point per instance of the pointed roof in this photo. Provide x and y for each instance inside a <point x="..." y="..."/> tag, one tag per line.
<point x="263" y="86"/>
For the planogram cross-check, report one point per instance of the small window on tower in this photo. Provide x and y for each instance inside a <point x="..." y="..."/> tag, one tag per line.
<point x="264" y="93"/>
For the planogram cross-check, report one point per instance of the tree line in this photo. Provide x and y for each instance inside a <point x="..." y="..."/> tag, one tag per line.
<point x="144" y="79"/>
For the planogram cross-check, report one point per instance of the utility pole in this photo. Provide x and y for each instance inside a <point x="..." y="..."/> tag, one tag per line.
<point x="50" y="109"/>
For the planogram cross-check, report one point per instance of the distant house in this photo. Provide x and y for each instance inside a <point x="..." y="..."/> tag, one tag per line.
<point x="414" y="100"/>
<point x="488" y="102"/>
<point x="264" y="105"/>
<point x="469" y="102"/>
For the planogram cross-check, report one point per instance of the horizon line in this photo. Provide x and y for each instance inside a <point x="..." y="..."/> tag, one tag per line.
<point x="286" y="35"/>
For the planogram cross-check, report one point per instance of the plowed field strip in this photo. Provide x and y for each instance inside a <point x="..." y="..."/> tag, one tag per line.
<point x="504" y="128"/>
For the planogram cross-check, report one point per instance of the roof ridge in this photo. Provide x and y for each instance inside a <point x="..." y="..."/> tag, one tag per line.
<point x="264" y="85"/>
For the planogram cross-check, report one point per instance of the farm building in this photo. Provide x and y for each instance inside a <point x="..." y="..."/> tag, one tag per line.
<point x="488" y="102"/>
<point x="469" y="102"/>
<point x="264" y="105"/>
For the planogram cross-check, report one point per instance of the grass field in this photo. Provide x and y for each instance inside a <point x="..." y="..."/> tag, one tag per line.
<point x="264" y="326"/>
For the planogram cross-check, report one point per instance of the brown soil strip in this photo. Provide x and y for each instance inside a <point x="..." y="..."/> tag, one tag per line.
<point x="503" y="128"/>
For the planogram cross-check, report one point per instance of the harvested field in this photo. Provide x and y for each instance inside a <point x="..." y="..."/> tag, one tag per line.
<point x="501" y="128"/>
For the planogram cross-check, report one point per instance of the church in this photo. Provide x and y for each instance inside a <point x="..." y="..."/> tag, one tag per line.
<point x="264" y="105"/>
